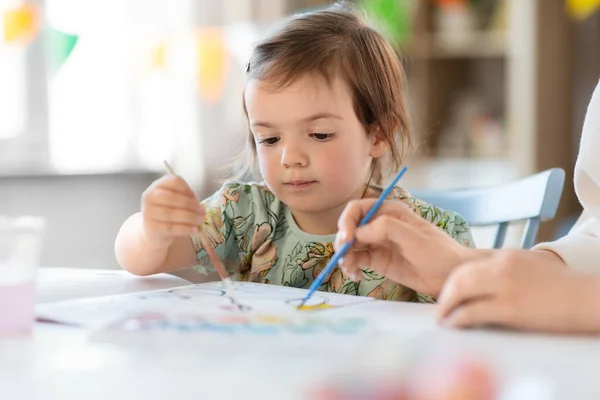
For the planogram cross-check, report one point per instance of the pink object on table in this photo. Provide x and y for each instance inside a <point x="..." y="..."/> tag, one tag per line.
<point x="17" y="308"/>
<point x="20" y="241"/>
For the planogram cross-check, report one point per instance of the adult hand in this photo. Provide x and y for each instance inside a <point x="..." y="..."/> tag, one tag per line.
<point x="399" y="244"/>
<point x="531" y="290"/>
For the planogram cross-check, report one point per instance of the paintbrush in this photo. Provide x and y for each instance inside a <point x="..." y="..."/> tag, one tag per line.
<point x="346" y="247"/>
<point x="214" y="258"/>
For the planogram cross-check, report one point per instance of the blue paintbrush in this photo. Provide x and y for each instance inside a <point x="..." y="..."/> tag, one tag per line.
<point x="336" y="257"/>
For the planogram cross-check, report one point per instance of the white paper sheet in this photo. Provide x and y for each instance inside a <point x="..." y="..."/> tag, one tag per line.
<point x="201" y="299"/>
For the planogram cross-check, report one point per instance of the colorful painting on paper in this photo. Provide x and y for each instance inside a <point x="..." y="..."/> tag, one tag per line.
<point x="250" y="300"/>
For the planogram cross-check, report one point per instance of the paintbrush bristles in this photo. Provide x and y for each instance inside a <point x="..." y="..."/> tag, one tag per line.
<point x="302" y="304"/>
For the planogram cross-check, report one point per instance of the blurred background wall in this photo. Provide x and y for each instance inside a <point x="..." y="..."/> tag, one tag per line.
<point x="94" y="94"/>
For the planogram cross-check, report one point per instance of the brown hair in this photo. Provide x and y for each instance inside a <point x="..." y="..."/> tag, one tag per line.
<point x="336" y="41"/>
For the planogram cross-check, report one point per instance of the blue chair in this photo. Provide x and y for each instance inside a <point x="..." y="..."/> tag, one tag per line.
<point x="534" y="198"/>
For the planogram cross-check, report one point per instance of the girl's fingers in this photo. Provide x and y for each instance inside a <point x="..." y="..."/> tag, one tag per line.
<point x="176" y="184"/>
<point x="168" y="184"/>
<point x="166" y="198"/>
<point x="172" y="229"/>
<point x="174" y="215"/>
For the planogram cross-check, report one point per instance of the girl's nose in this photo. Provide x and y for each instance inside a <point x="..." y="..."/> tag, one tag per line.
<point x="293" y="156"/>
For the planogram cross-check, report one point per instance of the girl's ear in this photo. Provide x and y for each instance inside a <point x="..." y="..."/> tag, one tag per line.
<point x="379" y="143"/>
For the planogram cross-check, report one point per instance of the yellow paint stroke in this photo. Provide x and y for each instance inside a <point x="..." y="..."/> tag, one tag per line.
<point x="315" y="307"/>
<point x="269" y="319"/>
<point x="20" y="23"/>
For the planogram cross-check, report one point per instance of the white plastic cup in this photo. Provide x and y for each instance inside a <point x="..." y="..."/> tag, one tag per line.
<point x="20" y="245"/>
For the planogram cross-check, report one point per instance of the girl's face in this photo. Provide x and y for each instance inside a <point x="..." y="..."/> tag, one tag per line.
<point x="313" y="152"/>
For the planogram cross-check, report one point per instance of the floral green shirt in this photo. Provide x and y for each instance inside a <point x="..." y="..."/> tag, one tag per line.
<point x="258" y="240"/>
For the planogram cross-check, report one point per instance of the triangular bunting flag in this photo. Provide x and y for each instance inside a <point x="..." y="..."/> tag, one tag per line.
<point x="393" y="17"/>
<point x="60" y="47"/>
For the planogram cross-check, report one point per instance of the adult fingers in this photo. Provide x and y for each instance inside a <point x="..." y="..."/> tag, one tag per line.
<point x="350" y="218"/>
<point x="386" y="228"/>
<point x="466" y="283"/>
<point x="356" y="210"/>
<point x="354" y="261"/>
<point x="488" y="310"/>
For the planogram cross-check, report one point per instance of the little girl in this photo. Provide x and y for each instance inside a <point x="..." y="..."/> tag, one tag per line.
<point x="324" y="103"/>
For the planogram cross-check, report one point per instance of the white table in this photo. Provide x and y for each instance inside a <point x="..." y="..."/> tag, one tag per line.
<point x="56" y="284"/>
<point x="59" y="362"/>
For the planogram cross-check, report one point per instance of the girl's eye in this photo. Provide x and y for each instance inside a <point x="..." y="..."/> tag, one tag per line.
<point x="269" y="141"/>
<point x="322" y="137"/>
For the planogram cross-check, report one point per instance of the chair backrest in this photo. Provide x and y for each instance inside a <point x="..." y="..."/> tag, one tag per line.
<point x="533" y="199"/>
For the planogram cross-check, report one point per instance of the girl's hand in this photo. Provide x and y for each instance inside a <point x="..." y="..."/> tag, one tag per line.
<point x="400" y="245"/>
<point x="532" y="290"/>
<point x="170" y="209"/>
